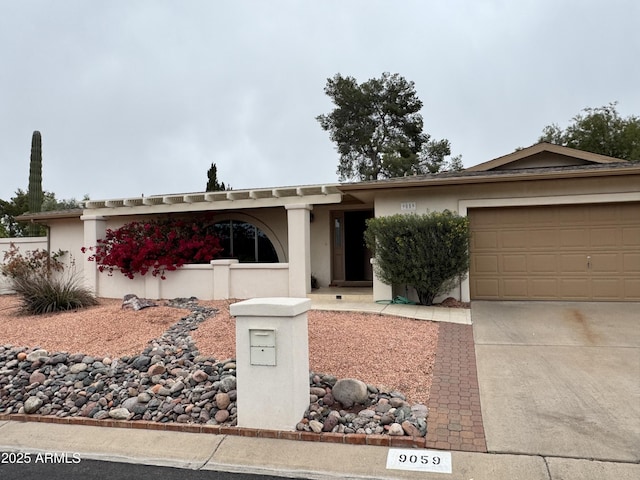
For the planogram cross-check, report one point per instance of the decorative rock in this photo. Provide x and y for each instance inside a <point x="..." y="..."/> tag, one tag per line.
<point x="129" y="403"/>
<point x="37" y="377"/>
<point x="36" y="355"/>
<point x="316" y="426"/>
<point x="78" y="367"/>
<point x="349" y="392"/>
<point x="141" y="362"/>
<point x="176" y="387"/>
<point x="200" y="376"/>
<point x="317" y="391"/>
<point x="143" y="397"/>
<point x="366" y="413"/>
<point x="228" y="383"/>
<point x="119" y="413"/>
<point x="396" y="430"/>
<point x="32" y="404"/>
<point x="222" y="400"/>
<point x="221" y="416"/>
<point x="419" y="411"/>
<point x="330" y="423"/>
<point x="328" y="400"/>
<point x="132" y="301"/>
<point x="156" y="369"/>
<point x="410" y="429"/>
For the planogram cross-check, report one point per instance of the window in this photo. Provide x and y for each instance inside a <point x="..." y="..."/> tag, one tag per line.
<point x="244" y="241"/>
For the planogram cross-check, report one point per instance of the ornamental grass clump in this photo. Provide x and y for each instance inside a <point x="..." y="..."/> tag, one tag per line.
<point x="45" y="294"/>
<point x="39" y="280"/>
<point x="427" y="252"/>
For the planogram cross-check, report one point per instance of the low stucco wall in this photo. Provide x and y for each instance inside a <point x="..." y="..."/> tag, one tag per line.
<point x="259" y="280"/>
<point x="238" y="280"/>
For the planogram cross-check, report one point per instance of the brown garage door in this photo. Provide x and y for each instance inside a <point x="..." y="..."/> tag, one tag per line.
<point x="575" y="252"/>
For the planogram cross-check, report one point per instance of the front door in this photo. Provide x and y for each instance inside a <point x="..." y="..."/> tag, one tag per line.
<point x="351" y="264"/>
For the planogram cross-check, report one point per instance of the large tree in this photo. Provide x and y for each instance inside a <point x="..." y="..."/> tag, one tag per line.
<point x="599" y="130"/>
<point x="378" y="129"/>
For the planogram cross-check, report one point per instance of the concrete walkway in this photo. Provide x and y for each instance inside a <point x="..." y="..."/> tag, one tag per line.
<point x="418" y="312"/>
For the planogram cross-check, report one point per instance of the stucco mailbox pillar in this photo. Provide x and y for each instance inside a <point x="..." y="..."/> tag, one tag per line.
<point x="272" y="362"/>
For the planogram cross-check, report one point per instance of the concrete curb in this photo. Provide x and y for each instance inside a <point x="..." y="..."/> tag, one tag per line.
<point x="325" y="437"/>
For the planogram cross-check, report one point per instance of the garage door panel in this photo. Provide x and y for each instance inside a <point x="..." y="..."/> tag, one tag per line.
<point x="631" y="236"/>
<point x="487" y="289"/>
<point x="574" y="238"/>
<point x="577" y="252"/>
<point x="606" y="262"/>
<point x="542" y="238"/>
<point x="632" y="289"/>
<point x="484" y="240"/>
<point x="605" y="237"/>
<point x="514" y="263"/>
<point x="543" y="263"/>
<point x="535" y="217"/>
<point x="573" y="288"/>
<point x="514" y="239"/>
<point x="606" y="288"/>
<point x="631" y="263"/>
<point x="602" y="213"/>
<point x="542" y="288"/>
<point x="486" y="263"/>
<point x="514" y="287"/>
<point x="573" y="263"/>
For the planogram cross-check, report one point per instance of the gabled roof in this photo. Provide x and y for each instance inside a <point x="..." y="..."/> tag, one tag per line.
<point x="543" y="154"/>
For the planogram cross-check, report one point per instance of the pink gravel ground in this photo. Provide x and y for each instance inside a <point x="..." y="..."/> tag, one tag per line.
<point x="384" y="351"/>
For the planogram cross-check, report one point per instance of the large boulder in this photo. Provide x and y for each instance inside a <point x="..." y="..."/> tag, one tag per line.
<point x="350" y="392"/>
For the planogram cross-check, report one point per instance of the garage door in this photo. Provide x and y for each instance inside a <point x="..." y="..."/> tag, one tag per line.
<point x="575" y="252"/>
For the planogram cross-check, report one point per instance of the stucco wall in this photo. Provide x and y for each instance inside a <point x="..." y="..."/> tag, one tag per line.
<point x="24" y="245"/>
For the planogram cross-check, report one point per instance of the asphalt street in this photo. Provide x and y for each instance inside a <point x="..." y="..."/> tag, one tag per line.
<point x="32" y="467"/>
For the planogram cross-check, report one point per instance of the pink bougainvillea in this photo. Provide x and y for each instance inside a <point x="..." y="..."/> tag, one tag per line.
<point x="155" y="246"/>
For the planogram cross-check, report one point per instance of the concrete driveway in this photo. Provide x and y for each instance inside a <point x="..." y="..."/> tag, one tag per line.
<point x="560" y="378"/>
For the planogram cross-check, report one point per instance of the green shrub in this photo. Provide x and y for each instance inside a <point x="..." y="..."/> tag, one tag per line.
<point x="427" y="252"/>
<point x="45" y="294"/>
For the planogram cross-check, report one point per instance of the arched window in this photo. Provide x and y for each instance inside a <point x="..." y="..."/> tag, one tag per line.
<point x="244" y="241"/>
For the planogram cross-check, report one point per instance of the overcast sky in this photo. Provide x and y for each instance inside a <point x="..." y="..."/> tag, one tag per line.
<point x="140" y="97"/>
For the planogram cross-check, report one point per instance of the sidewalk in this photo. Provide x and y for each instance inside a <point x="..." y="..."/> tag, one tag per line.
<point x="283" y="457"/>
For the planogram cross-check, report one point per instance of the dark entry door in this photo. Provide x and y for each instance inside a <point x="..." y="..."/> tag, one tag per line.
<point x="350" y="257"/>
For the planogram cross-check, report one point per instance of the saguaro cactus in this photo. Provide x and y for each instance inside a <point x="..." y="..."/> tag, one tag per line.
<point x="35" y="195"/>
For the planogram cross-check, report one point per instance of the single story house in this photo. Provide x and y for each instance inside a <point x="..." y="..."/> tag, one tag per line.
<point x="548" y="223"/>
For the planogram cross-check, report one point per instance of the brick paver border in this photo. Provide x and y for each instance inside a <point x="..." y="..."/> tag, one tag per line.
<point x="455" y="419"/>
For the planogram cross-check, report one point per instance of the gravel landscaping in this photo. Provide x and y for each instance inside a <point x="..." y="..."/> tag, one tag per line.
<point x="174" y="363"/>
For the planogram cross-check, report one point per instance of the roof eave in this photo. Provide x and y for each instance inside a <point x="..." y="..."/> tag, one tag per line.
<point x="491" y="177"/>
